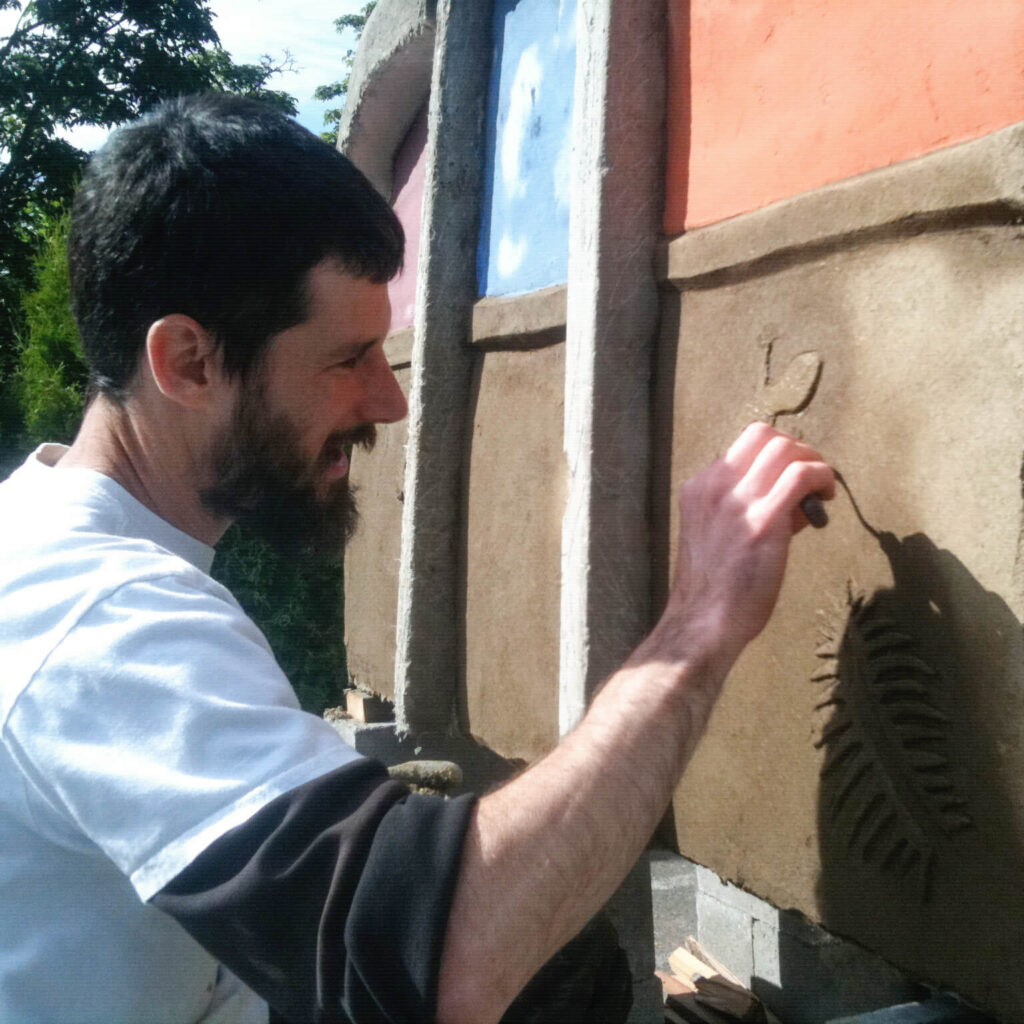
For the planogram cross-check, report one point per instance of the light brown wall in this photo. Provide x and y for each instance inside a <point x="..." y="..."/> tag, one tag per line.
<point x="514" y="504"/>
<point x="920" y="405"/>
<point x="371" y="561"/>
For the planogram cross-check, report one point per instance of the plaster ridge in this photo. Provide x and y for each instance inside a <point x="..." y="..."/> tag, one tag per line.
<point x="1001" y="213"/>
<point x="934" y="189"/>
<point x="533" y="320"/>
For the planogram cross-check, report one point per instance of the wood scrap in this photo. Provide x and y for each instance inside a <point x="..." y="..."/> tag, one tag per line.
<point x="688" y="1009"/>
<point x="365" y="707"/>
<point x="694" y="947"/>
<point x="713" y="992"/>
<point x="686" y="966"/>
<point x="673" y="986"/>
<point x="738" y="1002"/>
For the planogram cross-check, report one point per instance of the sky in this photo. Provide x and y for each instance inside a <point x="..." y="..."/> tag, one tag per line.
<point x="250" y="28"/>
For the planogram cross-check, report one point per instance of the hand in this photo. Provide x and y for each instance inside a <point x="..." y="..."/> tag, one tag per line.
<point x="737" y="518"/>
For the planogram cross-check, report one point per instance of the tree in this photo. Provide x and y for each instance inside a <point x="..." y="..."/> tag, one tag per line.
<point x="52" y="374"/>
<point x="339" y="90"/>
<point x="68" y="63"/>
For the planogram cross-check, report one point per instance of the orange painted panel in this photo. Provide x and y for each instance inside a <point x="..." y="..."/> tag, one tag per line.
<point x="770" y="98"/>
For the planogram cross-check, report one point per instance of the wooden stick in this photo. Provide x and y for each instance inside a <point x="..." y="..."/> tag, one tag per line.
<point x="693" y="946"/>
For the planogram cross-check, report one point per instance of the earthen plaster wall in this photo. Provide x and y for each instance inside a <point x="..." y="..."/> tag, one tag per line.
<point x="880" y="316"/>
<point x="515" y="501"/>
<point x="889" y="334"/>
<point x="372" y="556"/>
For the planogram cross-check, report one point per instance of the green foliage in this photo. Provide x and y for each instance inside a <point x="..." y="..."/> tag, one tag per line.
<point x="300" y="608"/>
<point x="339" y="90"/>
<point x="53" y="376"/>
<point x="69" y="63"/>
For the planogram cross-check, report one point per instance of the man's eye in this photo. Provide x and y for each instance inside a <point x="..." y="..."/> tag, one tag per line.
<point x="353" y="361"/>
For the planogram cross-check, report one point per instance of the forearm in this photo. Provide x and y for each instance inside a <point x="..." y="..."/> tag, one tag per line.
<point x="546" y="851"/>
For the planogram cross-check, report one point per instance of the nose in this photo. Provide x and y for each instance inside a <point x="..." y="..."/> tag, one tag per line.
<point x="383" y="398"/>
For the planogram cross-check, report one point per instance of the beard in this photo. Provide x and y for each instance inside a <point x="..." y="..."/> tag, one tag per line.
<point x="262" y="482"/>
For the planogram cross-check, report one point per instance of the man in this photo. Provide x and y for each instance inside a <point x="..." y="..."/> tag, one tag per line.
<point x="178" y="841"/>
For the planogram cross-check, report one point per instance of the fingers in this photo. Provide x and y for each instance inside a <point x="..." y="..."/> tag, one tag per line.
<point x="779" y="451"/>
<point x="796" y="481"/>
<point x="776" y="472"/>
<point x="745" y="449"/>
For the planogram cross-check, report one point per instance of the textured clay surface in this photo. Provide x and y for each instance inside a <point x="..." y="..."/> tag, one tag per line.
<point x="371" y="561"/>
<point x="866" y="762"/>
<point x="514" y="508"/>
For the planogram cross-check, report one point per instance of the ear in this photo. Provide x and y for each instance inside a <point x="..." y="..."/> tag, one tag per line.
<point x="183" y="359"/>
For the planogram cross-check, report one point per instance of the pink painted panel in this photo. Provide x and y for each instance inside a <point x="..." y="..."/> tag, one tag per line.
<point x="409" y="176"/>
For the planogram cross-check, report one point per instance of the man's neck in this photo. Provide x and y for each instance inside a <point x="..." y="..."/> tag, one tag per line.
<point x="151" y="462"/>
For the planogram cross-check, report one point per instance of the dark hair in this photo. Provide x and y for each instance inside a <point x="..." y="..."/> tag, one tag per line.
<point x="216" y="207"/>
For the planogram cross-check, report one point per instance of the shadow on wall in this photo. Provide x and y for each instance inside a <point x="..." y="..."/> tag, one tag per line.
<point x="920" y="829"/>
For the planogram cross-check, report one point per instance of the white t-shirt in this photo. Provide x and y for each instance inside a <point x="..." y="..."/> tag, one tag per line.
<point x="142" y="716"/>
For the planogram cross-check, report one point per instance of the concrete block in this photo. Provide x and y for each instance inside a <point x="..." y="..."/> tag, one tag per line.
<point x="708" y="883"/>
<point x="726" y="932"/>
<point x="674" y="898"/>
<point x="767" y="961"/>
<point x="811" y="976"/>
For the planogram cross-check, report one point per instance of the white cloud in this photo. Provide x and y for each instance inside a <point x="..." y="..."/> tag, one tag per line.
<point x="522" y="98"/>
<point x="565" y="36"/>
<point x="250" y="28"/>
<point x="510" y="255"/>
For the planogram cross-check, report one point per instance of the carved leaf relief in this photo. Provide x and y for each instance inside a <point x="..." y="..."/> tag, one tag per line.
<point x="886" y="778"/>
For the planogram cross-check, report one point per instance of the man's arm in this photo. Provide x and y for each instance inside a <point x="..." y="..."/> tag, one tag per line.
<point x="544" y="853"/>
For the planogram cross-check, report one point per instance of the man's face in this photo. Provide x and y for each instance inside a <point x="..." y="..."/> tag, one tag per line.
<point x="282" y="467"/>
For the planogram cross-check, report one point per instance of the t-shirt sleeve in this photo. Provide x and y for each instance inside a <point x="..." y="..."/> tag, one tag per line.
<point x="160" y="722"/>
<point x="333" y="901"/>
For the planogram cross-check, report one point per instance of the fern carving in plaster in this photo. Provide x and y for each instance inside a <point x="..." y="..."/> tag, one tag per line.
<point x="891" y="798"/>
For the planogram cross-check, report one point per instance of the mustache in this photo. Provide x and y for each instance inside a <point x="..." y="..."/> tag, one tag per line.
<point x="363" y="436"/>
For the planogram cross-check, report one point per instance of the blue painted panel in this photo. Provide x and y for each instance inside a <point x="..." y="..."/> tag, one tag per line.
<point x="524" y="224"/>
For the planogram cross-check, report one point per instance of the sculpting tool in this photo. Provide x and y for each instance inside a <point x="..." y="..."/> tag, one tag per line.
<point x="814" y="508"/>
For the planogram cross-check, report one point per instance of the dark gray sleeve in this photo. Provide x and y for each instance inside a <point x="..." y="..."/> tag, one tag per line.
<point x="331" y="902"/>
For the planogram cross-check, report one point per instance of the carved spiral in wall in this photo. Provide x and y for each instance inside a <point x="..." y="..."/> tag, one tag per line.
<point x="886" y="781"/>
